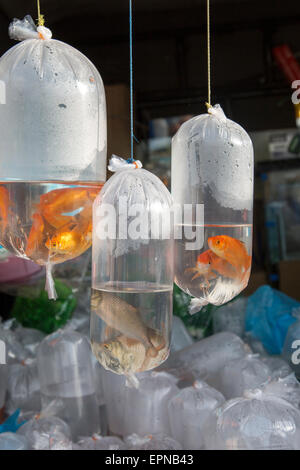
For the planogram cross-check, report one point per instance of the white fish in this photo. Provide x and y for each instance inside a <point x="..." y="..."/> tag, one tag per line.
<point x="123" y="317"/>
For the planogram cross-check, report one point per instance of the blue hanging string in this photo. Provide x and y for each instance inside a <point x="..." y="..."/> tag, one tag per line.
<point x="132" y="137"/>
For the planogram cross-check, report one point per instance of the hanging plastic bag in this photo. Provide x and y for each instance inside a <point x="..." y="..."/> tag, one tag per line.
<point x="132" y="271"/>
<point x="212" y="185"/>
<point x="53" y="147"/>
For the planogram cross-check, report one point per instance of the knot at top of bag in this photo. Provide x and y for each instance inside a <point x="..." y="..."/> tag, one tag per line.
<point x="117" y="163"/>
<point x="26" y="29"/>
<point x="216" y="111"/>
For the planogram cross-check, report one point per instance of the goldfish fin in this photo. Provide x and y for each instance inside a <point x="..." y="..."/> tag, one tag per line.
<point x="193" y="270"/>
<point x="156" y="334"/>
<point x="240" y="242"/>
<point x="198" y="274"/>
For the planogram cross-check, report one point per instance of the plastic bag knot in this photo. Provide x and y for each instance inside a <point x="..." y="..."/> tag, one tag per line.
<point x="26" y="29"/>
<point x="218" y="112"/>
<point x="117" y="163"/>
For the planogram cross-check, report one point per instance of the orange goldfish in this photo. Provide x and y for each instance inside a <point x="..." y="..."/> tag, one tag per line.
<point x="65" y="241"/>
<point x="35" y="237"/>
<point x="231" y="250"/>
<point x="71" y="240"/>
<point x="59" y="201"/>
<point x="209" y="265"/>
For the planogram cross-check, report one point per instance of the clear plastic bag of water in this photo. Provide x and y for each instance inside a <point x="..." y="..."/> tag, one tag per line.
<point x="53" y="139"/>
<point x="132" y="272"/>
<point x="212" y="185"/>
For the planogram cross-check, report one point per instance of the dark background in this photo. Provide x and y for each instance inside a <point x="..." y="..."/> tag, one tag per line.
<point x="170" y="70"/>
<point x="170" y="51"/>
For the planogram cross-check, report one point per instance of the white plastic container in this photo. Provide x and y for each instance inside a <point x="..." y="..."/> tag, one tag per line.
<point x="256" y="422"/>
<point x="243" y="374"/>
<point x="206" y="358"/>
<point x="52" y="146"/>
<point x="11" y="441"/>
<point x="143" y="410"/>
<point x="114" y="394"/>
<point x="189" y="411"/>
<point x="287" y="388"/>
<point x="146" y="408"/>
<point x="66" y="373"/>
<point x="46" y="433"/>
<point x="23" y="387"/>
<point x="132" y="272"/>
<point x="212" y="181"/>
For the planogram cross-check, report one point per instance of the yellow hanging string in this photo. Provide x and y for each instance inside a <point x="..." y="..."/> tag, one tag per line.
<point x="208" y="104"/>
<point x="41" y="19"/>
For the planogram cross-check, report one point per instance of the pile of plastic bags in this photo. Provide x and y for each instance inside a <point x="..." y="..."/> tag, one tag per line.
<point x="222" y="392"/>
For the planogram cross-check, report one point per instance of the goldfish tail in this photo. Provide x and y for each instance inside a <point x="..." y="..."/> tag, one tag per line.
<point x="198" y="274"/>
